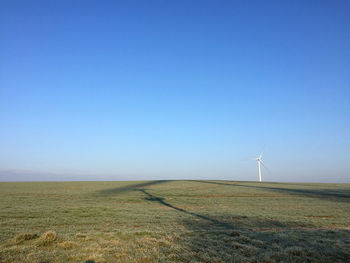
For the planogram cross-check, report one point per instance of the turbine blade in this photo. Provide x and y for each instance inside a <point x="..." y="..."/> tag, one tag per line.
<point x="265" y="166"/>
<point x="260" y="155"/>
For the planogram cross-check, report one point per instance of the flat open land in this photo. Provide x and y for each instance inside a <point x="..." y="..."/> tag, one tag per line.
<point x="174" y="221"/>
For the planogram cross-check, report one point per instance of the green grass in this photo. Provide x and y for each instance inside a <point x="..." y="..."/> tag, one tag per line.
<point x="174" y="221"/>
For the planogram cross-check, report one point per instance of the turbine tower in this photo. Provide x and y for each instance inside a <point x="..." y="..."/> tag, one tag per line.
<point x="259" y="167"/>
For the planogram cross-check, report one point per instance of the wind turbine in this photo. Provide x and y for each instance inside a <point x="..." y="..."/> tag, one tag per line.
<point x="260" y="162"/>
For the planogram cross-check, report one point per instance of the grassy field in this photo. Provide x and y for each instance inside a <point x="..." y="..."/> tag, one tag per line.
<point x="174" y="221"/>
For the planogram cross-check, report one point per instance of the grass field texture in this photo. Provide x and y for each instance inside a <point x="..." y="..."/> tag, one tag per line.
<point x="174" y="221"/>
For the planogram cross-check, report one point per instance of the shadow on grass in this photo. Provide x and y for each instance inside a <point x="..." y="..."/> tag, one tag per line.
<point x="131" y="187"/>
<point x="339" y="195"/>
<point x="231" y="222"/>
<point x="162" y="201"/>
<point x="229" y="238"/>
<point x="208" y="242"/>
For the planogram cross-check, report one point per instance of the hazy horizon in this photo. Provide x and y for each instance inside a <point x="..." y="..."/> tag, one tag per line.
<point x="27" y="176"/>
<point x="175" y="90"/>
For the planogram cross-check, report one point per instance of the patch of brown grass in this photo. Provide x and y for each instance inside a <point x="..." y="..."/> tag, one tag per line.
<point x="68" y="245"/>
<point x="320" y="216"/>
<point x="80" y="235"/>
<point x="24" y="237"/>
<point x="47" y="238"/>
<point x="237" y="195"/>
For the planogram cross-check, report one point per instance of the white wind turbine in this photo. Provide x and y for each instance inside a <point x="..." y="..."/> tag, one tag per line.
<point x="260" y="162"/>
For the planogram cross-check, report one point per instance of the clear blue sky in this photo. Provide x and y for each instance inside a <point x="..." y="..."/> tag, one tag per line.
<point x="174" y="89"/>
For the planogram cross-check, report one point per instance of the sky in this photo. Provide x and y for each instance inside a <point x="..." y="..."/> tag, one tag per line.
<point x="142" y="90"/>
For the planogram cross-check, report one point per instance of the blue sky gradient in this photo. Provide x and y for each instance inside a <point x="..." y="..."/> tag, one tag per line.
<point x="126" y="90"/>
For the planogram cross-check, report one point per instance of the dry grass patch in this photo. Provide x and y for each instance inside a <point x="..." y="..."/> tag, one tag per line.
<point x="47" y="238"/>
<point x="68" y="245"/>
<point x="80" y="235"/>
<point x="20" y="238"/>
